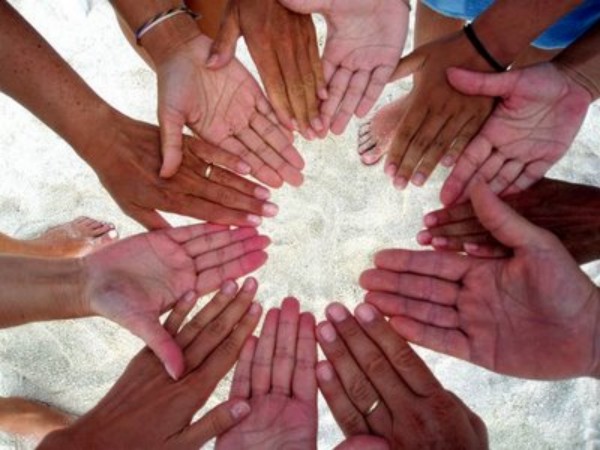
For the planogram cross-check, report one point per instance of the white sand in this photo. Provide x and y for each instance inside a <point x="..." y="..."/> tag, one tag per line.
<point x="323" y="238"/>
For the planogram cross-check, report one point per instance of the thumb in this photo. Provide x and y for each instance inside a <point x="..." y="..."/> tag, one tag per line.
<point x="222" y="50"/>
<point x="410" y="64"/>
<point x="365" y="441"/>
<point x="482" y="83"/>
<point x="503" y="222"/>
<point x="171" y="137"/>
<point x="162" y="344"/>
<point x="306" y="6"/>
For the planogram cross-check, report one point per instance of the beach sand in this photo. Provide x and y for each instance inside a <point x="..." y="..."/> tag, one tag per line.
<point x="323" y="238"/>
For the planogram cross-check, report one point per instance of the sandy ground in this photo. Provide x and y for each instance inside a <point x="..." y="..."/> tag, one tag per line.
<point x="323" y="238"/>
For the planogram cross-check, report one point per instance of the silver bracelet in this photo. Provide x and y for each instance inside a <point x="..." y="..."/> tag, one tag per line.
<point x="161" y="17"/>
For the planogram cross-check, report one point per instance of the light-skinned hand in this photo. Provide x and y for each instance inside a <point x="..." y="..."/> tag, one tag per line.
<point x="283" y="45"/>
<point x="276" y="376"/>
<point x="382" y="394"/>
<point x="540" y="110"/>
<point x="137" y="279"/>
<point x="533" y="314"/>
<point x="147" y="409"/>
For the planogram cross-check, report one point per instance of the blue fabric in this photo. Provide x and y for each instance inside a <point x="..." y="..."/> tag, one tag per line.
<point x="559" y="35"/>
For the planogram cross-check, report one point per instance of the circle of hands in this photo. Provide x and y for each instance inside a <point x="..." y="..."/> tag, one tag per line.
<point x="374" y="383"/>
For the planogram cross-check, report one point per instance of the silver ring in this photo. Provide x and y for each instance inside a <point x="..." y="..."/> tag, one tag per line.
<point x="208" y="170"/>
<point x="372" y="408"/>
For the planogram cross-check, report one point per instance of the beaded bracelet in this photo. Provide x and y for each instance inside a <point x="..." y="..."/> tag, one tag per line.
<point x="161" y="17"/>
<point x="470" y="32"/>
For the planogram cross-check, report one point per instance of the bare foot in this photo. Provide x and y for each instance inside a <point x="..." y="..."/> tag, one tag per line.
<point x="30" y="420"/>
<point x="76" y="238"/>
<point x="376" y="132"/>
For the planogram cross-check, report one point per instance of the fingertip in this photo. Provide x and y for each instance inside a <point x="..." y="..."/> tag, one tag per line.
<point x="424" y="237"/>
<point x="239" y="410"/>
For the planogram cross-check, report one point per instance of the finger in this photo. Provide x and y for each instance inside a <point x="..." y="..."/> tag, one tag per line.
<point x="452" y="342"/>
<point x="201" y="209"/>
<point x="354" y="93"/>
<point x="304" y="383"/>
<point x="349" y="419"/>
<point x="337" y="88"/>
<point x="456" y="213"/>
<point x="533" y="173"/>
<point x="240" y="184"/>
<point x="305" y="6"/>
<point x="212" y="241"/>
<point x="263" y="106"/>
<point x="216" y="331"/>
<point x="458" y="243"/>
<point x="410" y="285"/>
<point x="162" y="344"/>
<point x="210" y="279"/>
<point x="504" y="223"/>
<point x="179" y="312"/>
<point x="462" y="228"/>
<point x="507" y="174"/>
<point x="423" y="310"/>
<point x="277" y="140"/>
<point x="189" y="232"/>
<point x="209" y="312"/>
<point x="223" y="47"/>
<point x="406" y="362"/>
<point x="365" y="441"/>
<point x="312" y="73"/>
<point x="317" y="65"/>
<point x="285" y="347"/>
<point x="240" y="385"/>
<point x="262" y="365"/>
<point x="466" y="135"/>
<point x="478" y="83"/>
<point x="377" y="82"/>
<point x="216" y="422"/>
<point x="148" y="218"/>
<point x="446" y="266"/>
<point x="480" y="250"/>
<point x="409" y="64"/>
<point x="171" y="136"/>
<point x="231" y="252"/>
<point x="212" y="154"/>
<point x="294" y="86"/>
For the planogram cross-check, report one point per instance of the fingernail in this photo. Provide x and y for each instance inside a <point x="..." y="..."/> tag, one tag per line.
<point x="262" y="193"/>
<point x="424" y="237"/>
<point x="240" y="409"/>
<point x="323" y="94"/>
<point x="365" y="313"/>
<point x="310" y="134"/>
<point x="170" y="372"/>
<point x="113" y="234"/>
<point x="254" y="219"/>
<point x="430" y="220"/>
<point x="190" y="297"/>
<point x="439" y="241"/>
<point x="317" y="124"/>
<point x="249" y="284"/>
<point x="324" y="372"/>
<point x="243" y="168"/>
<point x="295" y="124"/>
<point x="337" y="312"/>
<point x="370" y="158"/>
<point x="327" y="332"/>
<point x="470" y="247"/>
<point x="212" y="61"/>
<point x="400" y="183"/>
<point x="255" y="309"/>
<point x="391" y="170"/>
<point x="270" y="209"/>
<point x="447" y="161"/>
<point x="418" y="179"/>
<point x="229" y="287"/>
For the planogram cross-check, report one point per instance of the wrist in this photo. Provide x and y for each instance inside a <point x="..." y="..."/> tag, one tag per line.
<point x="167" y="37"/>
<point x="574" y="74"/>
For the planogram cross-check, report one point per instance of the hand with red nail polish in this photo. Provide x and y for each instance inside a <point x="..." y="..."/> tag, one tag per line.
<point x="147" y="409"/>
<point x="276" y="376"/>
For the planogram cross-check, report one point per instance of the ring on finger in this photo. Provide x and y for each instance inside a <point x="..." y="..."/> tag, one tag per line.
<point x="208" y="170"/>
<point x="372" y="408"/>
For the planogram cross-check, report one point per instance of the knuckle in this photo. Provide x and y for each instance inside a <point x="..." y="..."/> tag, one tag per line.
<point x="351" y="420"/>
<point x="216" y="328"/>
<point x="377" y="364"/>
<point x="403" y="356"/>
<point x="359" y="389"/>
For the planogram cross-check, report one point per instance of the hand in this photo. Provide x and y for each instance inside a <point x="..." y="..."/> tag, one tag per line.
<point x="146" y="409"/>
<point x="283" y="44"/>
<point x="569" y="211"/>
<point x="364" y="43"/>
<point x="377" y="387"/>
<point x="126" y="157"/>
<point x="225" y="107"/>
<point x="534" y="314"/>
<point x="438" y="120"/>
<point x="540" y="111"/>
<point x="276" y="376"/>
<point x="137" y="279"/>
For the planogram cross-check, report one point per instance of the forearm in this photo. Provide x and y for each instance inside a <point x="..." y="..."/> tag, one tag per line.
<point x="166" y="36"/>
<point x="38" y="289"/>
<point x="581" y="61"/>
<point x="507" y="27"/>
<point x="33" y="74"/>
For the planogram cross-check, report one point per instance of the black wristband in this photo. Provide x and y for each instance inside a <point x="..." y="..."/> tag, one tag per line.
<point x="482" y="50"/>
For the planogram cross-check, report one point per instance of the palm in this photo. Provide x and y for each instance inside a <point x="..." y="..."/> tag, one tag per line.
<point x="276" y="421"/>
<point x="531" y="304"/>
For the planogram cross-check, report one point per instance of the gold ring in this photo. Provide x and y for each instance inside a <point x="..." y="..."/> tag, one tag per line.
<point x="207" y="171"/>
<point x="372" y="408"/>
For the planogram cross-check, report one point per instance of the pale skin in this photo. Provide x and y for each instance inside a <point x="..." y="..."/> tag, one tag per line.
<point x="159" y="412"/>
<point x="367" y="362"/>
<point x="225" y="107"/>
<point x="276" y="376"/>
<point x="123" y="152"/>
<point x="364" y="43"/>
<point x="533" y="314"/>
